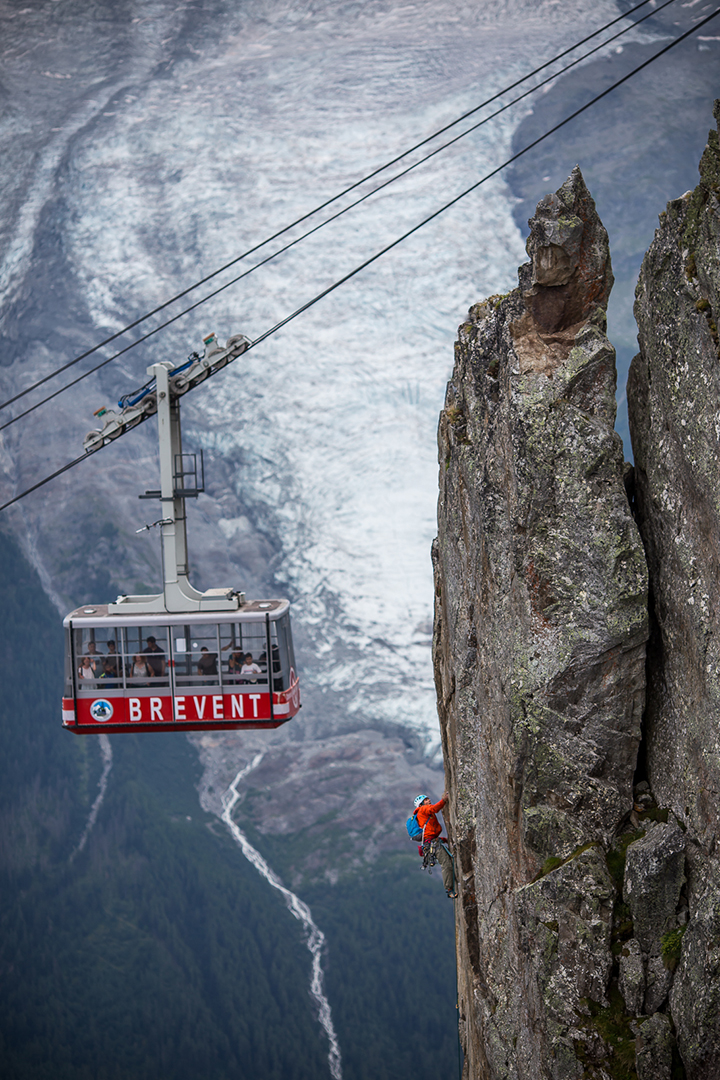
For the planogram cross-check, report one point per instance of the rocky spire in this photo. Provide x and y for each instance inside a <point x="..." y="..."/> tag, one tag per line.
<point x="674" y="405"/>
<point x="539" y="650"/>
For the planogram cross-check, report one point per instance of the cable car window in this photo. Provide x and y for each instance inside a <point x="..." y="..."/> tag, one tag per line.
<point x="278" y="677"/>
<point x="145" y="656"/>
<point x="285" y="647"/>
<point x="98" y="659"/>
<point x="69" y="673"/>
<point x="195" y="652"/>
<point x="243" y="648"/>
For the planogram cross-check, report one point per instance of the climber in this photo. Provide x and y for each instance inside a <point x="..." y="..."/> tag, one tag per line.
<point x="434" y="847"/>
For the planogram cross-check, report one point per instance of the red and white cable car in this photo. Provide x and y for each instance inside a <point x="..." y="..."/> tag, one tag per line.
<point x="181" y="660"/>
<point x="184" y="671"/>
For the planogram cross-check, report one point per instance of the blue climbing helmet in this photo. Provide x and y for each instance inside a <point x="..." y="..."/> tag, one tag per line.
<point x="420" y="799"/>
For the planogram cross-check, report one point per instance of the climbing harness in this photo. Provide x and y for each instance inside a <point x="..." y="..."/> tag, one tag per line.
<point x="429" y="860"/>
<point x="429" y="854"/>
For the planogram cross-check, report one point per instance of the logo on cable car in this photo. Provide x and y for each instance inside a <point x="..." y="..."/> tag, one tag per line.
<point x="101" y="710"/>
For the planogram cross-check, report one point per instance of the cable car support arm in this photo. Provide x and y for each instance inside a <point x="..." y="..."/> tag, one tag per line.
<point x="170" y="384"/>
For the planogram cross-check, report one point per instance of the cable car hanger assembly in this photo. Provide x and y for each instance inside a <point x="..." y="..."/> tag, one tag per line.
<point x="162" y="395"/>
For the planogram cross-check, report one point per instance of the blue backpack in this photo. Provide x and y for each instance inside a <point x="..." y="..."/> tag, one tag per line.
<point x="414" y="831"/>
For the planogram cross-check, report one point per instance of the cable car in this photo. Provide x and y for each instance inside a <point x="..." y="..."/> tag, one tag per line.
<point x="180" y="660"/>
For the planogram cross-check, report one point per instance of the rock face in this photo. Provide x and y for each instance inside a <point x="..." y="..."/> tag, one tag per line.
<point x="589" y="875"/>
<point x="673" y="400"/>
<point x="654" y="876"/>
<point x="654" y="1048"/>
<point x="539" y="650"/>
<point x="653" y="880"/>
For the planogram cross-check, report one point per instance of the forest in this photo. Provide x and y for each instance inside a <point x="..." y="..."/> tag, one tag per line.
<point x="157" y="950"/>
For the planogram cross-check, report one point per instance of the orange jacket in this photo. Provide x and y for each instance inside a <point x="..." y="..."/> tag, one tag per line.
<point x="427" y="820"/>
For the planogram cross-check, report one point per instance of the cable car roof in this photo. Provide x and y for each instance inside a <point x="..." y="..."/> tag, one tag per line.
<point x="249" y="611"/>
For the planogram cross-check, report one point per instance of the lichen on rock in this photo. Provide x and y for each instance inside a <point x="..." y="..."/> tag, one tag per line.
<point x="695" y="994"/>
<point x="631" y="976"/>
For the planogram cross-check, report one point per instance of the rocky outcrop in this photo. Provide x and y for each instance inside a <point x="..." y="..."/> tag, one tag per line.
<point x="539" y="650"/>
<point x="589" y="875"/>
<point x="673" y="400"/>
<point x="653" y="880"/>
<point x="654" y="876"/>
<point x="654" y="1053"/>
